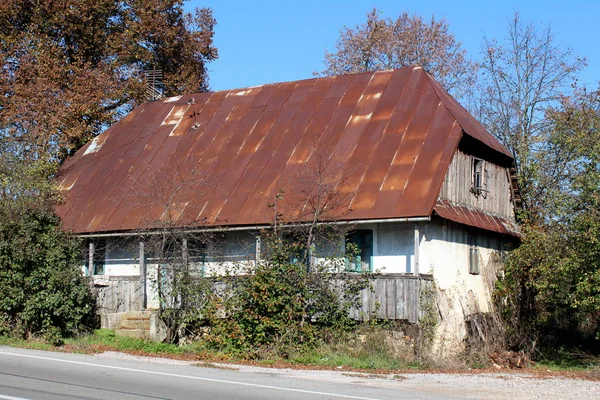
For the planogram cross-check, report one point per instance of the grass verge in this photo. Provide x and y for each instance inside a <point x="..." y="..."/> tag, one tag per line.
<point x="367" y="354"/>
<point x="364" y="353"/>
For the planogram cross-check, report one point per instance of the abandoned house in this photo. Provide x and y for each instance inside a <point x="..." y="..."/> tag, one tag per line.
<point x="429" y="194"/>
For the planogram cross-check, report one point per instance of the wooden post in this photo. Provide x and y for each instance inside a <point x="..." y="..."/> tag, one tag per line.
<point x="258" y="249"/>
<point x="91" y="258"/>
<point x="185" y="254"/>
<point x="144" y="275"/>
<point x="416" y="250"/>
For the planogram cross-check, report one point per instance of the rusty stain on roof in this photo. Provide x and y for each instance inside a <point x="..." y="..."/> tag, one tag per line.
<point x="378" y="143"/>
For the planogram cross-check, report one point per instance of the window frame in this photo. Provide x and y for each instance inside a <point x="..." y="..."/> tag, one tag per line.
<point x="98" y="258"/>
<point x="479" y="177"/>
<point x="195" y="255"/>
<point x="366" y="252"/>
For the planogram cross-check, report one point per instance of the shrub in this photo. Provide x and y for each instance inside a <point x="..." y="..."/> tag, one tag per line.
<point x="43" y="291"/>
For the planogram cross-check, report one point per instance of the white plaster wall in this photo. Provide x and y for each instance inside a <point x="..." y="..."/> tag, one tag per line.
<point x="122" y="258"/>
<point x="393" y="252"/>
<point x="444" y="252"/>
<point x="328" y="255"/>
<point x="393" y="247"/>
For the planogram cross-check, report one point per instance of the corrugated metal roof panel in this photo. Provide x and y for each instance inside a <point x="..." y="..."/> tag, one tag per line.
<point x="476" y="218"/>
<point x="379" y="144"/>
<point x="470" y="125"/>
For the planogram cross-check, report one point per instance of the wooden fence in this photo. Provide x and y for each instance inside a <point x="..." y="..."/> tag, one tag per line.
<point x="118" y="293"/>
<point x="396" y="297"/>
<point x="391" y="296"/>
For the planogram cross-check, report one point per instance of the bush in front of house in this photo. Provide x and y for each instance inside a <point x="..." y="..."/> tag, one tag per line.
<point x="285" y="304"/>
<point x="42" y="290"/>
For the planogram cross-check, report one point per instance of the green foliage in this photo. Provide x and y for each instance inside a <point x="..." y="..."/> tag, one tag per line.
<point x="43" y="291"/>
<point x="552" y="286"/>
<point x="428" y="321"/>
<point x="284" y="303"/>
<point x="107" y="338"/>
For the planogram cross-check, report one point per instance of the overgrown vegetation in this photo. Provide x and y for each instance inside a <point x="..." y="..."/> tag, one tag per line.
<point x="286" y="301"/>
<point x="365" y="349"/>
<point x="550" y="296"/>
<point x="43" y="290"/>
<point x="527" y="94"/>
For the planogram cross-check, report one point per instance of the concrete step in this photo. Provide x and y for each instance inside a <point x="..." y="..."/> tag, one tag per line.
<point x="133" y="333"/>
<point x="135" y="314"/>
<point x="135" y="323"/>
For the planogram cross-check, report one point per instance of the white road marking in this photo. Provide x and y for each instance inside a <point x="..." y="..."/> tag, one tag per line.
<point x="11" y="397"/>
<point x="182" y="376"/>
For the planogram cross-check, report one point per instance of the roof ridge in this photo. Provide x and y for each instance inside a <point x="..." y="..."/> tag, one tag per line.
<point x="444" y="97"/>
<point x="299" y="80"/>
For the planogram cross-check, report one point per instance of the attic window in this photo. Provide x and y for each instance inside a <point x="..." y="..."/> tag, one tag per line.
<point x="479" y="177"/>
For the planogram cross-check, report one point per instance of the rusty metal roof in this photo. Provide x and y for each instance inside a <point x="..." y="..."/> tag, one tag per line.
<point x="477" y="218"/>
<point x="363" y="146"/>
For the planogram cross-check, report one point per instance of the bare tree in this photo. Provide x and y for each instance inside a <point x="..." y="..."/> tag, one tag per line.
<point x="521" y="78"/>
<point x="176" y="245"/>
<point x="384" y="43"/>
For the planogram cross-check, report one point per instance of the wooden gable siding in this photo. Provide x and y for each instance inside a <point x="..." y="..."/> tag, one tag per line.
<point x="458" y="183"/>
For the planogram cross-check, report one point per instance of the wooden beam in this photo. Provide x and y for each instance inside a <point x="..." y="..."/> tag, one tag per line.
<point x="416" y="250"/>
<point x="144" y="275"/>
<point x="90" y="270"/>
<point x="258" y="248"/>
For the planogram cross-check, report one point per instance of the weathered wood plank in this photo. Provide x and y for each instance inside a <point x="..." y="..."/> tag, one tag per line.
<point x="393" y="296"/>
<point x="400" y="300"/>
<point x="119" y="294"/>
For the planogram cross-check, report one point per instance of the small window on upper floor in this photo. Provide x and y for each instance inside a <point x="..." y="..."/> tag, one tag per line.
<point x="479" y="177"/>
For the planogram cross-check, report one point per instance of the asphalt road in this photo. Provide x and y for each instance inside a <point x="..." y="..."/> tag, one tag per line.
<point x="31" y="374"/>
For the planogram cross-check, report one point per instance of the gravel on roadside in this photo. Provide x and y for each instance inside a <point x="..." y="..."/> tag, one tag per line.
<point x="489" y="385"/>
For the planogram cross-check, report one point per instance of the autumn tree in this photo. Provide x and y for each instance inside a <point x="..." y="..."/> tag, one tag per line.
<point x="385" y="43"/>
<point x="72" y="68"/>
<point x="69" y="70"/>
<point x="522" y="77"/>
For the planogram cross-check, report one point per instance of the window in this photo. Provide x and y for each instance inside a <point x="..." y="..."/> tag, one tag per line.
<point x="170" y="250"/>
<point x="473" y="255"/>
<point x="196" y="255"/>
<point x="359" y="246"/>
<point x="296" y="246"/>
<point x="478" y="181"/>
<point x="98" y="248"/>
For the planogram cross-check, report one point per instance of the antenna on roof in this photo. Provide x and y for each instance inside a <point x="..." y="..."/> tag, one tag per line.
<point x="154" y="84"/>
<point x="190" y="102"/>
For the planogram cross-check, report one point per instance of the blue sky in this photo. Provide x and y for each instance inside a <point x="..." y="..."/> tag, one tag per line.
<point x="274" y="41"/>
